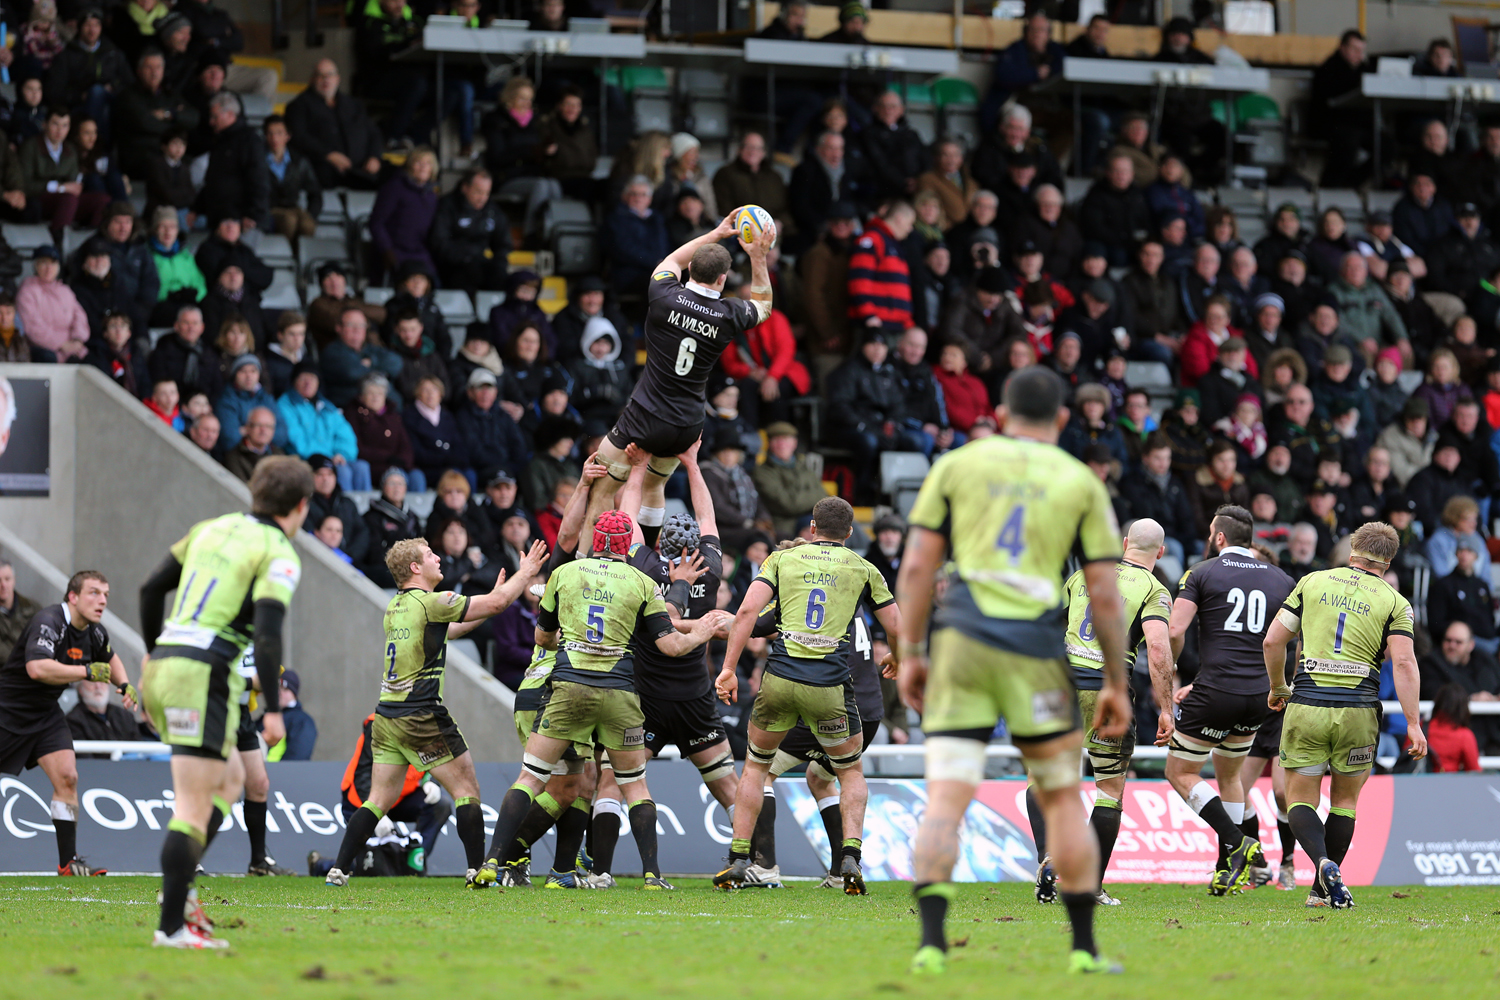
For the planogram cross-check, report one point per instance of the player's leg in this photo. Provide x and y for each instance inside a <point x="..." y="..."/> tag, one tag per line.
<point x="458" y="777"/>
<point x="1287" y="878"/>
<point x="541" y="755"/>
<point x="750" y="795"/>
<point x="659" y="469"/>
<point x="61" y="768"/>
<point x="1186" y="755"/>
<point x="1228" y="760"/>
<point x="195" y="782"/>
<point x="602" y="491"/>
<point x="387" y="778"/>
<point x="1344" y="739"/>
<point x="955" y="767"/>
<point x="257" y="792"/>
<point x="630" y="774"/>
<point x="1110" y="759"/>
<point x="854" y="796"/>
<point x="715" y="765"/>
<point x="604" y="828"/>
<point x="572" y="824"/>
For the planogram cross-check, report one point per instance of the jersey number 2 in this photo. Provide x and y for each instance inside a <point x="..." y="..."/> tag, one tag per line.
<point x="687" y="352"/>
<point x="390" y="661"/>
<point x="595" y="631"/>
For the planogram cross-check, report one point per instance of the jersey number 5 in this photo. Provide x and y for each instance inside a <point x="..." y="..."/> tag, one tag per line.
<point x="390" y="661"/>
<point x="595" y="631"/>
<point x="687" y="352"/>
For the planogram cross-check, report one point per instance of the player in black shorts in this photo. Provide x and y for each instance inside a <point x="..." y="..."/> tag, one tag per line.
<point x="257" y="779"/>
<point x="1234" y="595"/>
<point x="688" y="325"/>
<point x="863" y="701"/>
<point x="63" y="643"/>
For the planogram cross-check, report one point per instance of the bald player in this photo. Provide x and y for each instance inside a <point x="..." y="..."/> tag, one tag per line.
<point x="1148" y="609"/>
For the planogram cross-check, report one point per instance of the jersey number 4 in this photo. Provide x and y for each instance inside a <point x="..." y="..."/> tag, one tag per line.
<point x="1012" y="534"/>
<point x="687" y="353"/>
<point x="1252" y="607"/>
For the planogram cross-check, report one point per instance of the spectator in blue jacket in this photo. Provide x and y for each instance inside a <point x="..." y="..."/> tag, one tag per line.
<point x="301" y="730"/>
<point x="1422" y="216"/>
<point x="244" y="394"/>
<point x="437" y="444"/>
<point x="314" y="426"/>
<point x="1033" y="59"/>
<point x="635" y="239"/>
<point x="348" y="359"/>
<point x="1168" y="196"/>
<point x="493" y="440"/>
<point x="519" y="309"/>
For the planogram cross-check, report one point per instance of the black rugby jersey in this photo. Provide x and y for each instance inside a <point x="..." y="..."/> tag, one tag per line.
<point x="678" y="678"/>
<point x="686" y="331"/>
<point x="26" y="703"/>
<point x="1237" y="596"/>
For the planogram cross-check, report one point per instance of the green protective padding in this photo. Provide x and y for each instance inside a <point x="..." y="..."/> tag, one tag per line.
<point x="551" y="805"/>
<point x="529" y="794"/>
<point x="582" y="805"/>
<point x="945" y="889"/>
<point x="379" y="812"/>
<point x="853" y="842"/>
<point x="183" y="826"/>
<point x="1306" y="805"/>
<point x="1340" y="811"/>
<point x="952" y="90"/>
<point x="739" y="846"/>
<point x="1104" y="802"/>
<point x="221" y="805"/>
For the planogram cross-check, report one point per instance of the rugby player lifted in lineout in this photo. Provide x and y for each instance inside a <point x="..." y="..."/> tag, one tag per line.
<point x="688" y="325"/>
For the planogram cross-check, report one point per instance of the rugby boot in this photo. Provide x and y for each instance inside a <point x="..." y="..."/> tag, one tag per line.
<point x="734" y="876"/>
<point x="1332" y="881"/>
<point x="1083" y="962"/>
<point x="929" y="960"/>
<point x="655" y="883"/>
<point x="1046" y="881"/>
<point x="763" y="878"/>
<point x="854" y="879"/>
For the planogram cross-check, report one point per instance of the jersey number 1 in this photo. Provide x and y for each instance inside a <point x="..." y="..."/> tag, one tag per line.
<point x="687" y="353"/>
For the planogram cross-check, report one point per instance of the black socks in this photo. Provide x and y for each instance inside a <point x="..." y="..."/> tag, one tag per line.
<point x="572" y="826"/>
<point x="643" y="829"/>
<point x="179" y="860"/>
<point x="763" y="840"/>
<point x="514" y="809"/>
<point x="1338" y="832"/>
<point x="360" y="828"/>
<point x="932" y="903"/>
<point x="67" y="840"/>
<point x="1081" y="915"/>
<point x="533" y="828"/>
<point x="1038" y="823"/>
<point x="1105" y="819"/>
<point x="606" y="830"/>
<point x="1309" y="831"/>
<point x="255" y="825"/>
<point x="833" y="826"/>
<point x="471" y="829"/>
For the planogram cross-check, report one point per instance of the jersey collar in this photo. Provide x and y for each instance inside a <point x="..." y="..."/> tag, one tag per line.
<point x="1238" y="550"/>
<point x="1127" y="562"/>
<point x="703" y="290"/>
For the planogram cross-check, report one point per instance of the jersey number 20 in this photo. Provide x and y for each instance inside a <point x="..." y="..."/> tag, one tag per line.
<point x="687" y="352"/>
<point x="1252" y="607"/>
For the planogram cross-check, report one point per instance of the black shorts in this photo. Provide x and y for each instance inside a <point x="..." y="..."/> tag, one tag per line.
<point x="637" y="425"/>
<point x="1210" y="716"/>
<point x="246" y="738"/>
<point x="691" y="725"/>
<point x="800" y="742"/>
<point x="20" y="752"/>
<point x="1268" y="738"/>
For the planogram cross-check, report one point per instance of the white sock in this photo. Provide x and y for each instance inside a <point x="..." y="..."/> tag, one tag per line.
<point x="1281" y="816"/>
<point x="653" y="516"/>
<point x="1249" y="811"/>
<point x="1236" y="811"/>
<point x="824" y="803"/>
<point x="1202" y="794"/>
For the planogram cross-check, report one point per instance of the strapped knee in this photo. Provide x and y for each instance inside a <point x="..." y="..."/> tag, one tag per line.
<point x="717" y="768"/>
<point x="1235" y="750"/>
<point x="952" y="758"/>
<point x="629" y="776"/>
<point x="653" y="470"/>
<point x="538" y="767"/>
<point x="1189" y="750"/>
<point x="1312" y="770"/>
<point x="762" y="755"/>
<point x="815" y="769"/>
<point x="1051" y="773"/>
<point x="847" y="761"/>
<point x="783" y="763"/>
<point x="605" y="806"/>
<point x="567" y="766"/>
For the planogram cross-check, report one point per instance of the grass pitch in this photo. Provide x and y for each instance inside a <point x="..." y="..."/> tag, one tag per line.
<point x="432" y="939"/>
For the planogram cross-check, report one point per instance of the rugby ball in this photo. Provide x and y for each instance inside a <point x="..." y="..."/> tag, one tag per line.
<point x="750" y="220"/>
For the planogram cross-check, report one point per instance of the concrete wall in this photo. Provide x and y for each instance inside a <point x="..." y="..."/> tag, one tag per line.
<point x="144" y="486"/>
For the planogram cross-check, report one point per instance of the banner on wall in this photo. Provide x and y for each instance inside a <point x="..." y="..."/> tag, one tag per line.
<point x="25" y="437"/>
<point x="1438" y="830"/>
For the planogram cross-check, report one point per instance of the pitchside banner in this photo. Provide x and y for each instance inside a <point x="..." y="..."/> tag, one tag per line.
<point x="1439" y="829"/>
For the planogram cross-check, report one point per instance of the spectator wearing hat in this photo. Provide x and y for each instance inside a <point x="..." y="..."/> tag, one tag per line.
<point x="216" y="31"/>
<point x="786" y="482"/>
<point x="1380" y="247"/>
<point x="1460" y="259"/>
<point x="491" y="437"/>
<point x="387" y="521"/>
<point x="866" y="407"/>
<point x="328" y="500"/>
<point x="336" y="293"/>
<point x="500" y="502"/>
<point x="1450" y="515"/>
<point x="259" y="430"/>
<point x="884" y="552"/>
<point x="685" y="172"/>
<point x="601" y="378"/>
<point x="1335" y="384"/>
<point x="722" y="412"/>
<point x="1384" y="391"/>
<point x="1090" y="425"/>
<point x="934" y="286"/>
<point x="419" y="357"/>
<point x="1323" y="330"/>
<point x="346" y="361"/>
<point x="587" y="301"/>
<point x="1217" y="482"/>
<point x="552" y="463"/>
<point x="49" y="311"/>
<point x="824" y="268"/>
<point x="1169" y="195"/>
<point x="206" y="81"/>
<point x="1187" y="120"/>
<point x="179" y="281"/>
<point x="984" y="319"/>
<point x="1286" y="234"/>
<point x="737" y="505"/>
<point x="1266" y="332"/>
<point x="750" y="179"/>
<point x="978" y="230"/>
<point x="180" y="51"/>
<point x="380" y="434"/>
<point x="51" y="178"/>
<point x="822" y="181"/>
<point x="243" y="394"/>
<point x="1086" y="320"/>
<point x="292" y="179"/>
<point x="1017" y="186"/>
<point x="404" y="209"/>
<point x="554" y="399"/>
<point x="96" y="288"/>
<point x="225" y="248"/>
<point x="470" y="236"/>
<point x="1422" y="216"/>
<point x="301" y="730"/>
<point x="315" y="427"/>
<point x="519" y="309"/>
<point x="415" y="291"/>
<point x="146" y="110"/>
<point x="1115" y="212"/>
<point x="1320" y="509"/>
<point x="436" y="442"/>
<point x="90" y="71"/>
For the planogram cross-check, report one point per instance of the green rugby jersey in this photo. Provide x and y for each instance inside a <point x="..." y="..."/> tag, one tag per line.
<point x="1013" y="510"/>
<point x="228" y="563"/>
<point x="416" y="650"/>
<point x="817" y="589"/>
<point x="597" y="605"/>
<point x="1345" y="615"/>
<point x="1145" y="600"/>
<point x="538" y="673"/>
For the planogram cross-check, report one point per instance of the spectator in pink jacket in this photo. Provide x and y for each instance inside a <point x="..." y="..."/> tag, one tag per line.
<point x="49" y="311"/>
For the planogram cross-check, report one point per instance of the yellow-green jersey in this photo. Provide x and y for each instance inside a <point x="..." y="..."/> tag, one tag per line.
<point x="1013" y="510"/>
<point x="1346" y="616"/>
<point x="228" y="563"/>
<point x="818" y="588"/>
<point x="1145" y="600"/>
<point x="415" y="663"/>
<point x="599" y="606"/>
<point x="538" y="673"/>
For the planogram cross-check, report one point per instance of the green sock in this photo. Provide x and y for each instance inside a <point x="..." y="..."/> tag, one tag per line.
<point x="852" y="846"/>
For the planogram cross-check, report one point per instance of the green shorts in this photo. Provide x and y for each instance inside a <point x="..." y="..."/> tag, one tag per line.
<point x="585" y="715"/>
<point x="781" y="703"/>
<point x="425" y="740"/>
<point x="971" y="686"/>
<point x="526" y="725"/>
<point x="1344" y="738"/>
<point x="194" y="705"/>
<point x="1110" y="757"/>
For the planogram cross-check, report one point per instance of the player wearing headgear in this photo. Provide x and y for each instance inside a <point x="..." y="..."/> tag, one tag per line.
<point x="1148" y="608"/>
<point x="1350" y="620"/>
<point x="591" y="611"/>
<point x="1233" y="594"/>
<point x="688" y="325"/>
<point x="818" y="587"/>
<point x="412" y="726"/>
<point x="1007" y="511"/>
<point x="61" y="644"/>
<point x="234" y="577"/>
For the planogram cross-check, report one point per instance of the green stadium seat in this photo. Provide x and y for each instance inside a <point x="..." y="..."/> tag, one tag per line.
<point x="950" y="90"/>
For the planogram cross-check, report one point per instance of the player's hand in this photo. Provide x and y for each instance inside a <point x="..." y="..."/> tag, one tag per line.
<point x="911" y="680"/>
<point x="762" y="243"/>
<point x="129" y="695"/>
<point x="431" y="792"/>
<point x="1278" y="697"/>
<point x="727" y="684"/>
<point x="1181" y="693"/>
<point x="592" y="469"/>
<point x="1418" y="748"/>
<point x="98" y="672"/>
<point x="727" y="228"/>
<point x="636" y="455"/>
<point x="531" y="563"/>
<point x="272" y="729"/>
<point x="1165" y="725"/>
<point x="890" y="667"/>
<point x="1112" y="712"/>
<point x="689" y="568"/>
<point x="690" y="457"/>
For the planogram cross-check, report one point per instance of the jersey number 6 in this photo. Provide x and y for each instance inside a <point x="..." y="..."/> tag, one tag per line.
<point x="815" y="599"/>
<point x="687" y="352"/>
